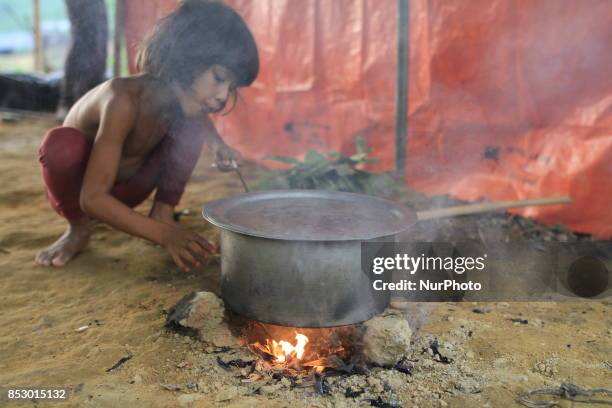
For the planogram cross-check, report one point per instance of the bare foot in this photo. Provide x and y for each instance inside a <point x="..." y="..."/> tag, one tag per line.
<point x="67" y="246"/>
<point x="163" y="213"/>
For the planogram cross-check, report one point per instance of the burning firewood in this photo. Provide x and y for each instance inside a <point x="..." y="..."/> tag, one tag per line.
<point x="311" y="349"/>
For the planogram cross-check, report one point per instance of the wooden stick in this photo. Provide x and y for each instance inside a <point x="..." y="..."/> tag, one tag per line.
<point x="118" y="36"/>
<point x="486" y="207"/>
<point x="401" y="86"/>
<point x="38" y="47"/>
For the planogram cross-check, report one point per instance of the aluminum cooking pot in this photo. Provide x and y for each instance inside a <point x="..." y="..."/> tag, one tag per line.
<point x="293" y="257"/>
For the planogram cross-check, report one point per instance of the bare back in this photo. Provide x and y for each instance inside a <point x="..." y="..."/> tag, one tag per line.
<point x="149" y="126"/>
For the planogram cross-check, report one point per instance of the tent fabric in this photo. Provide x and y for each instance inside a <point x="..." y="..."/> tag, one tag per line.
<point x="508" y="99"/>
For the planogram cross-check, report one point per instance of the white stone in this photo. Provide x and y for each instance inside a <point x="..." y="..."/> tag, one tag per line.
<point x="386" y="339"/>
<point x="204" y="312"/>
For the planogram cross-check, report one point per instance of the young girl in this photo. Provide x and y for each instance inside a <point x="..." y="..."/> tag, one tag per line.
<point x="129" y="136"/>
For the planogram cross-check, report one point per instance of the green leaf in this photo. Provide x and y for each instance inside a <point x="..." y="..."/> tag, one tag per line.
<point x="330" y="171"/>
<point x="358" y="157"/>
<point x="272" y="181"/>
<point x="314" y="157"/>
<point x="344" y="170"/>
<point x="317" y="169"/>
<point x="282" y="159"/>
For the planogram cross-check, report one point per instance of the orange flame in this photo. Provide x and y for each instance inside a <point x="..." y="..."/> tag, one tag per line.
<point x="313" y="349"/>
<point x="283" y="350"/>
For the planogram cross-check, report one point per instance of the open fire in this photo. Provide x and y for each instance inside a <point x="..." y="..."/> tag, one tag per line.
<point x="283" y="351"/>
<point x="303" y="349"/>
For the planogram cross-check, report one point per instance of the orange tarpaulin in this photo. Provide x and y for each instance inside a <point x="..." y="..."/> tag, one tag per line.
<point x="508" y="99"/>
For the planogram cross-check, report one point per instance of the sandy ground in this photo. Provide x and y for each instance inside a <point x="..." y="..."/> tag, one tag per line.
<point x="122" y="286"/>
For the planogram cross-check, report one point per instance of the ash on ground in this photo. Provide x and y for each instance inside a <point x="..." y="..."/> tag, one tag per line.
<point x="395" y="363"/>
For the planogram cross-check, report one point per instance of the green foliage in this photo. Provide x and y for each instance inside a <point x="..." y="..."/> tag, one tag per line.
<point x="329" y="171"/>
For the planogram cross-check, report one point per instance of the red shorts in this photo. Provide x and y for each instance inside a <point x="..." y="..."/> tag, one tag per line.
<point x="64" y="153"/>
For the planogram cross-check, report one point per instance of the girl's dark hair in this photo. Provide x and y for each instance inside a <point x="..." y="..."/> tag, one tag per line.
<point x="195" y="36"/>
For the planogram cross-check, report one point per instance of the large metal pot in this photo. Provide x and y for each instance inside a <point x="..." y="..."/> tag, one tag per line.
<point x="294" y="257"/>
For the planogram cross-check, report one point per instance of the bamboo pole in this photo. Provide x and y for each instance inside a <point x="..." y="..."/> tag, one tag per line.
<point x="486" y="207"/>
<point x="401" y="88"/>
<point x="38" y="49"/>
<point x="118" y="36"/>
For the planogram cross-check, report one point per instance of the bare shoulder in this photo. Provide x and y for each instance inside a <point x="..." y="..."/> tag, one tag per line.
<point x="124" y="90"/>
<point x="117" y="95"/>
<point x="118" y="107"/>
<point x="120" y="95"/>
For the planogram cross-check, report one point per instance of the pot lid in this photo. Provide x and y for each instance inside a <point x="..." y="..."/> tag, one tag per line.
<point x="309" y="215"/>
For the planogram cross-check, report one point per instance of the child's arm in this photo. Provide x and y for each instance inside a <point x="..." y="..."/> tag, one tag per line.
<point x="117" y="117"/>
<point x="181" y="151"/>
<point x="225" y="156"/>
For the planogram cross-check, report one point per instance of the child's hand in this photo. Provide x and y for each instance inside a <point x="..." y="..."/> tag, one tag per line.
<point x="227" y="159"/>
<point x="187" y="248"/>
